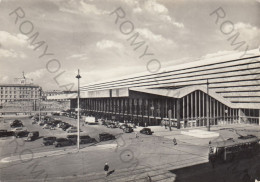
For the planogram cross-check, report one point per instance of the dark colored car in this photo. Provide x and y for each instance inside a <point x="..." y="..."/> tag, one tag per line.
<point x="146" y="131"/>
<point x="49" y="140"/>
<point x="73" y="138"/>
<point x="106" y="136"/>
<point x="83" y="139"/>
<point x="16" y="123"/>
<point x="21" y="134"/>
<point x="33" y="136"/>
<point x="123" y="126"/>
<point x="62" y="142"/>
<point x="112" y="125"/>
<point x="55" y="122"/>
<point x="128" y="130"/>
<point x="56" y="114"/>
<point x="86" y="139"/>
<point x="65" y="126"/>
<point x="5" y="133"/>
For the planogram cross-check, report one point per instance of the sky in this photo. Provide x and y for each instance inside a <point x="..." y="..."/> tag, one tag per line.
<point x="86" y="35"/>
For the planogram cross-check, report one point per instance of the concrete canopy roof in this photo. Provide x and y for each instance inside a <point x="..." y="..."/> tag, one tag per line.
<point x="179" y="93"/>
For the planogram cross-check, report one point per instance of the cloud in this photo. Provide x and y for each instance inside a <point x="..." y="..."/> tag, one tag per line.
<point x="153" y="6"/>
<point x="248" y="33"/>
<point x="5" y="53"/>
<point x="37" y="74"/>
<point x="9" y="40"/>
<point x="147" y="34"/>
<point x="81" y="7"/>
<point x="161" y="11"/>
<point x="104" y="44"/>
<point x="5" y="79"/>
<point x="219" y="53"/>
<point x="78" y="57"/>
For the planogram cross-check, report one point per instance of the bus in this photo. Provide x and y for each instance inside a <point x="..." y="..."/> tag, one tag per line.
<point x="231" y="149"/>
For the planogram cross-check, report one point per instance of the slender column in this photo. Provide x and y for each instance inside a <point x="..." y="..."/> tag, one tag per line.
<point x="203" y="108"/>
<point x="210" y="110"/>
<point x="259" y="117"/>
<point x="178" y="108"/>
<point x="183" y="108"/>
<point x="174" y="108"/>
<point x="218" y="115"/>
<point x="214" y="111"/>
<point x="148" y="110"/>
<point x="166" y="108"/>
<point x="188" y="106"/>
<point x="192" y="106"/>
<point x="224" y="108"/>
<point x="196" y="105"/>
<point x="123" y="108"/>
<point x="143" y="105"/>
<point x="200" y="108"/>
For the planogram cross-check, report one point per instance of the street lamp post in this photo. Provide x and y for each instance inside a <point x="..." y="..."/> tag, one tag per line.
<point x="78" y="77"/>
<point x="40" y="104"/>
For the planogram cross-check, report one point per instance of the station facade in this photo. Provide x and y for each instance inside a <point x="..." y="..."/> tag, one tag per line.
<point x="224" y="89"/>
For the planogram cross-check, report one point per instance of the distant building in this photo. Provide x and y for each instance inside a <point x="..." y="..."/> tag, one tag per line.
<point x="46" y="94"/>
<point x="23" y="89"/>
<point x="24" y="96"/>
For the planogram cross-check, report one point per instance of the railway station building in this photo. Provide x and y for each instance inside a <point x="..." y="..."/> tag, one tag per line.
<point x="224" y="88"/>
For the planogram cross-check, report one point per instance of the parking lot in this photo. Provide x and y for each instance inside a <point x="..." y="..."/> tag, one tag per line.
<point x="37" y="145"/>
<point x="156" y="153"/>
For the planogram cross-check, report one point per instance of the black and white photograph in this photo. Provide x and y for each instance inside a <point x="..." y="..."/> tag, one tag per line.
<point x="129" y="91"/>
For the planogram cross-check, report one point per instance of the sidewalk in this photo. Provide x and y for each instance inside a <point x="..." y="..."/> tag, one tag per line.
<point x="224" y="131"/>
<point x="31" y="156"/>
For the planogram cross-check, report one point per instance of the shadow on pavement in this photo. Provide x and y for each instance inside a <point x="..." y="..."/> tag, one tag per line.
<point x="245" y="170"/>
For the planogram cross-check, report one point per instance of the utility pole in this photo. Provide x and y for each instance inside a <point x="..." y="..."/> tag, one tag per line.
<point x="78" y="138"/>
<point x="208" y="120"/>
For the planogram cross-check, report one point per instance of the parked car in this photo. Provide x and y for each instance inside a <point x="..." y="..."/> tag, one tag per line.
<point x="33" y="136"/>
<point x="86" y="139"/>
<point x="106" y="136"/>
<point x="41" y="123"/>
<point x="128" y="130"/>
<point x="56" y="122"/>
<point x="5" y="133"/>
<point x="46" y="126"/>
<point x="73" y="138"/>
<point x="56" y="114"/>
<point x="19" y="129"/>
<point x="146" y="131"/>
<point x="21" y="134"/>
<point x="65" y="126"/>
<point x="62" y="142"/>
<point x="72" y="129"/>
<point x="49" y="140"/>
<point x="123" y="126"/>
<point x="16" y="123"/>
<point x="112" y="125"/>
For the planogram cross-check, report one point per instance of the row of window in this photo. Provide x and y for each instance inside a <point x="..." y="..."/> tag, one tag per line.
<point x="19" y="88"/>
<point x="21" y="96"/>
<point x="21" y="92"/>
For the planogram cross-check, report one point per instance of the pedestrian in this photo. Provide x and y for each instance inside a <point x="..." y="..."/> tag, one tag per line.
<point x="106" y="168"/>
<point x="136" y="135"/>
<point x="148" y="178"/>
<point x="165" y="126"/>
<point x="175" y="141"/>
